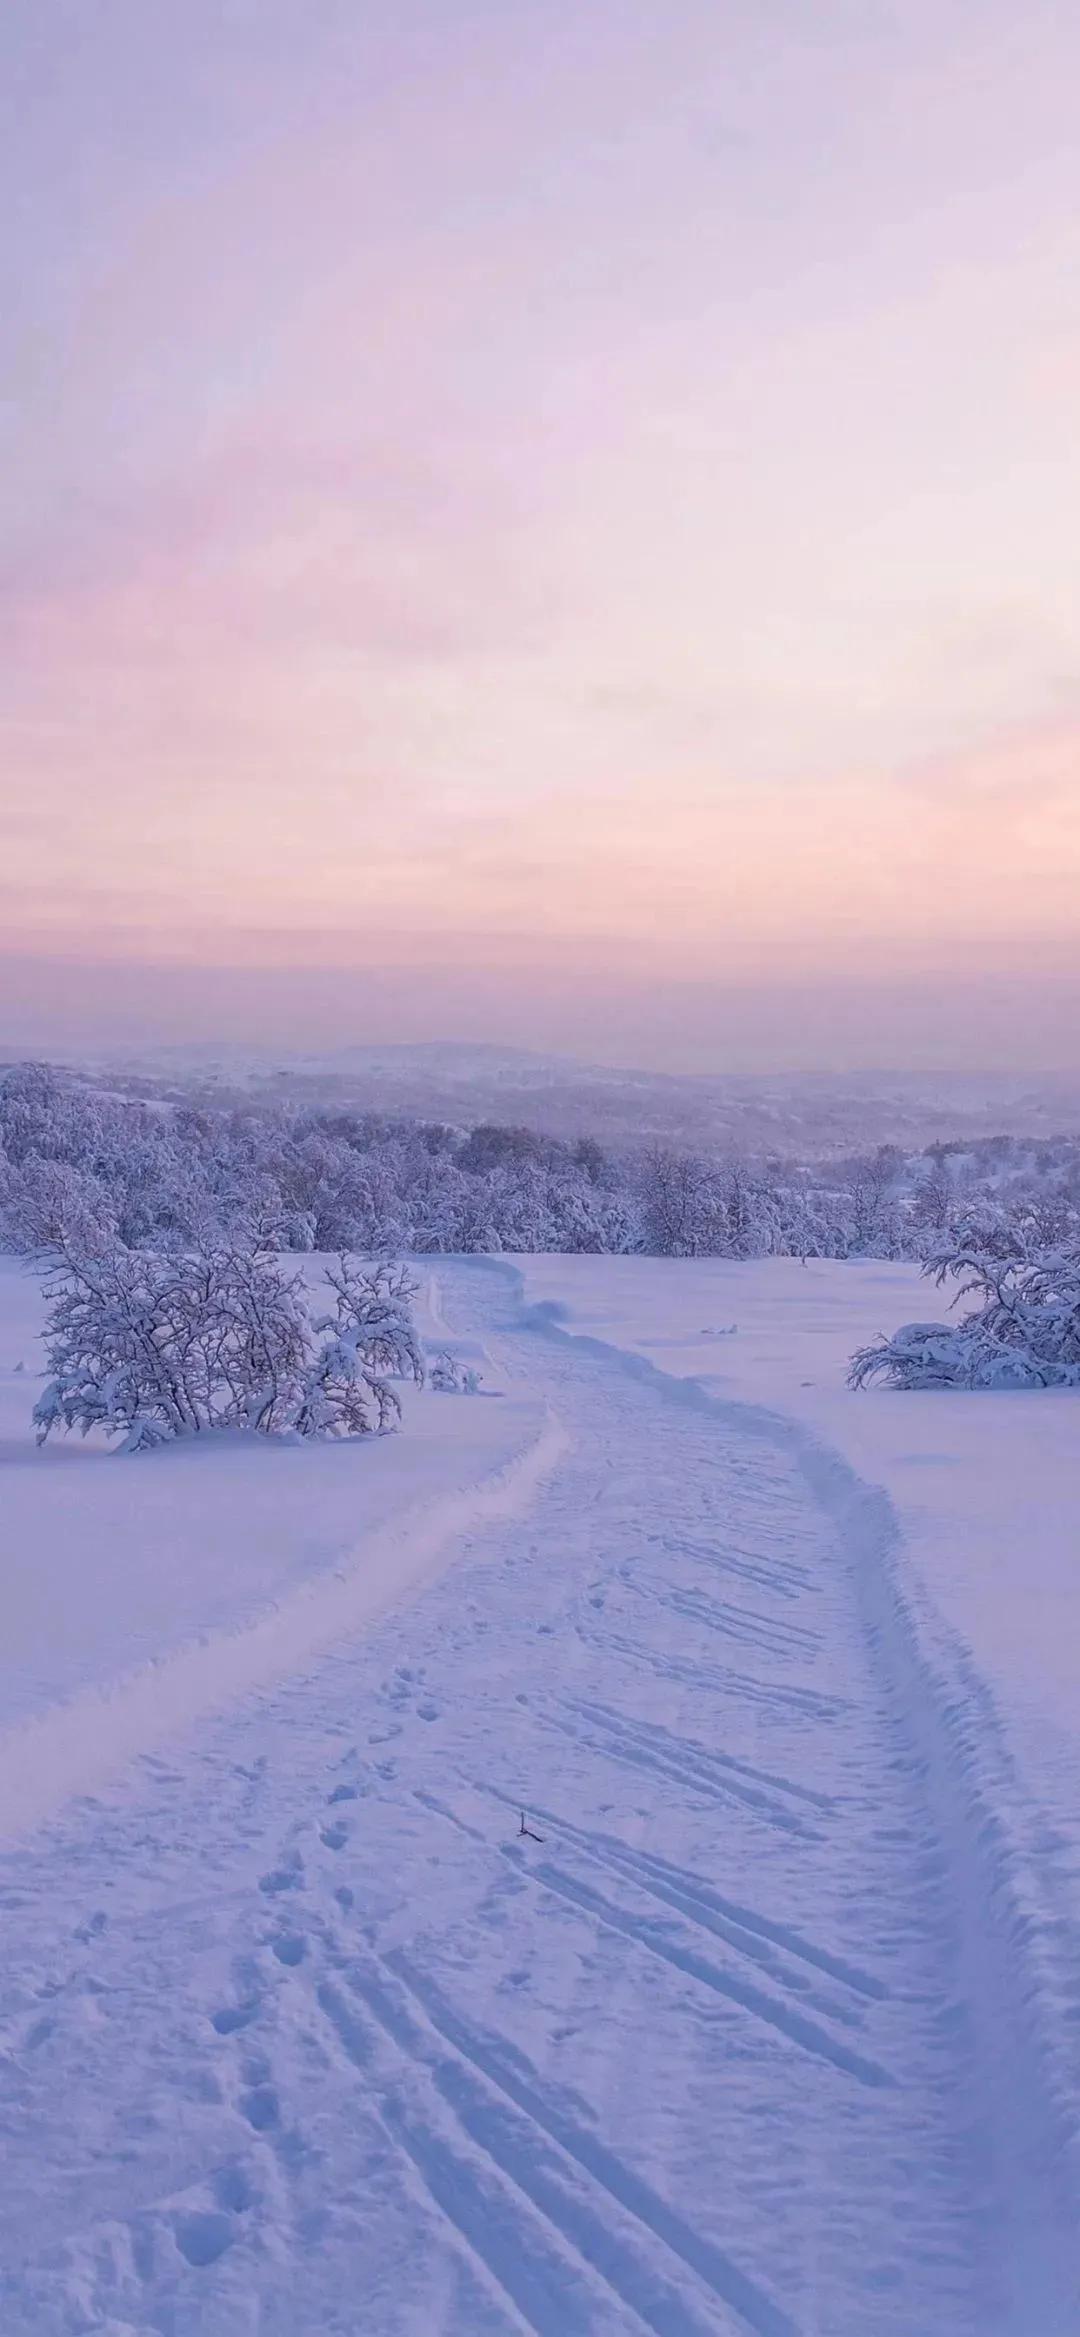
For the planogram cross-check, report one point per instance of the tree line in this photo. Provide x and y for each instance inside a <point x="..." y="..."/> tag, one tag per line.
<point x="86" y="1168"/>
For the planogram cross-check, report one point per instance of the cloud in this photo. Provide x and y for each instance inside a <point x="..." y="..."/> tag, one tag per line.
<point x="459" y="512"/>
<point x="1028" y="768"/>
<point x="273" y="549"/>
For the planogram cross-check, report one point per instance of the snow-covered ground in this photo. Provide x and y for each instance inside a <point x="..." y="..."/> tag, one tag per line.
<point x="138" y="1596"/>
<point x="984" y="1490"/>
<point x="769" y="2021"/>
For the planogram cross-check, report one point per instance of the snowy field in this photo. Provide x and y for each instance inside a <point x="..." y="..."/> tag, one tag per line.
<point x="769" y="2023"/>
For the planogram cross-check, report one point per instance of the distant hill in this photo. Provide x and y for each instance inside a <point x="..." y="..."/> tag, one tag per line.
<point x="810" y="1114"/>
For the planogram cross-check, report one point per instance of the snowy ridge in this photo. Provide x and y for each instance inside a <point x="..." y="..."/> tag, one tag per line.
<point x="1015" y="1961"/>
<point x="79" y="1745"/>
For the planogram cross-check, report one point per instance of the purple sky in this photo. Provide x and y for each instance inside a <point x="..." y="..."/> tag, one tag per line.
<point x="546" y="523"/>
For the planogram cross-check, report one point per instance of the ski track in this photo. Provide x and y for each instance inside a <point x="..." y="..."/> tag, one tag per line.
<point x="748" y="2034"/>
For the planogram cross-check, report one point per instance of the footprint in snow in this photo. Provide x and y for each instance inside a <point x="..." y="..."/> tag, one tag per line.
<point x="204" y="2233"/>
<point x="399" y="1689"/>
<point x="260" y="2108"/>
<point x="232" y="2017"/>
<point x="290" y="1949"/>
<point x="334" y="1837"/>
<point x="203" y="2236"/>
<point x="289" y="1876"/>
<point x="232" y="2189"/>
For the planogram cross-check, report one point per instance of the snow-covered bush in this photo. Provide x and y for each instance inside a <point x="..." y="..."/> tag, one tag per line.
<point x="1022" y="1332"/>
<point x="367" y="1340"/>
<point x="150" y="1346"/>
<point x="449" y="1377"/>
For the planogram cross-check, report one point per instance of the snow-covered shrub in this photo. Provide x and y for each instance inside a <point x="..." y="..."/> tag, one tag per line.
<point x="149" y="1346"/>
<point x="449" y="1377"/>
<point x="918" y="1355"/>
<point x="1022" y="1332"/>
<point x="367" y="1340"/>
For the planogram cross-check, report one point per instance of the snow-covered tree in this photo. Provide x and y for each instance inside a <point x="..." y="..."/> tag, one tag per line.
<point x="40" y="1115"/>
<point x="149" y="1346"/>
<point x="876" y="1230"/>
<point x="450" y="1377"/>
<point x="86" y="1165"/>
<point x="934" y="1201"/>
<point x="1022" y="1332"/>
<point x="671" y="1203"/>
<point x="368" y="1340"/>
<point x="48" y="1205"/>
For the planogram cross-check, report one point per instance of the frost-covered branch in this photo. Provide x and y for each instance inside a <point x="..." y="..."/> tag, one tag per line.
<point x="1022" y="1330"/>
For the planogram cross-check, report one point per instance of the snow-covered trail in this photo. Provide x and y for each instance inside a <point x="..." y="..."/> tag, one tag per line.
<point x="302" y="2034"/>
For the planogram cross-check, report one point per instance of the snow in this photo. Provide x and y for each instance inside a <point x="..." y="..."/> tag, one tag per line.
<point x="767" y="2022"/>
<point x="984" y="1488"/>
<point x="116" y="1570"/>
<point x="972" y="1503"/>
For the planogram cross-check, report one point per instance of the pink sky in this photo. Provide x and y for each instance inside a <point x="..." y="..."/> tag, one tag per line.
<point x="543" y="523"/>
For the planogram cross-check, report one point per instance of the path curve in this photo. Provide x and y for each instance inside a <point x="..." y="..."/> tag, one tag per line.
<point x="576" y="1951"/>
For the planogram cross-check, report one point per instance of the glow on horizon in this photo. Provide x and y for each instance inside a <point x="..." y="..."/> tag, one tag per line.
<point x="542" y="513"/>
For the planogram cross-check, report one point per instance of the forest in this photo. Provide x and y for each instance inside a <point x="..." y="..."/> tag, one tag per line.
<point x="82" y="1167"/>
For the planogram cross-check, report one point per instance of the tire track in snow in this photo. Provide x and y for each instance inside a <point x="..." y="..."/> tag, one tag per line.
<point x="771" y="1634"/>
<point x="772" y="1696"/>
<point x="744" y="1928"/>
<point x="551" y="2293"/>
<point x="1025" y="2066"/>
<point x="770" y="2141"/>
<point x="507" y="2115"/>
<point x="692" y="1776"/>
<point x="648" y="1745"/>
<point x="785" y="1579"/>
<point x="696" y="1756"/>
<point x="1013" y="1989"/>
<point x="655" y="1938"/>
